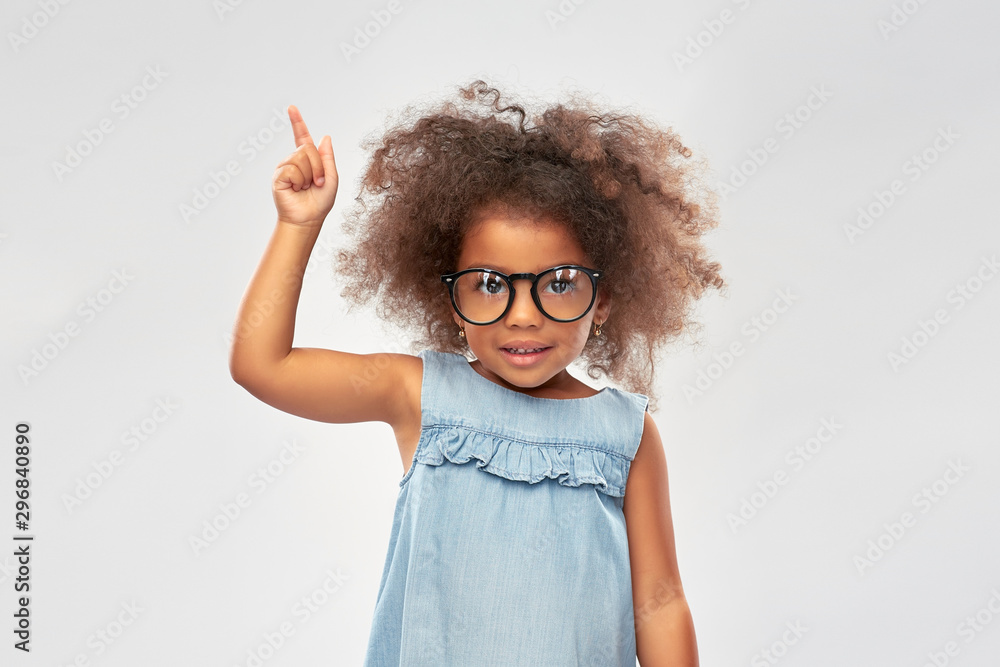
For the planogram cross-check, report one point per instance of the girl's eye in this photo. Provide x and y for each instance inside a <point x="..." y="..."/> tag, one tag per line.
<point x="490" y="284"/>
<point x="559" y="286"/>
<point x="563" y="282"/>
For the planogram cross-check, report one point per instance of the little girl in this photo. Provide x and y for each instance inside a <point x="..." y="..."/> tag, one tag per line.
<point x="533" y="524"/>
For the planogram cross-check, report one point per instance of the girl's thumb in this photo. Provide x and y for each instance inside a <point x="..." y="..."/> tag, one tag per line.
<point x="325" y="149"/>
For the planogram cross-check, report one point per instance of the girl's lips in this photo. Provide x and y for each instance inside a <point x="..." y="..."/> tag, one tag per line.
<point x="523" y="359"/>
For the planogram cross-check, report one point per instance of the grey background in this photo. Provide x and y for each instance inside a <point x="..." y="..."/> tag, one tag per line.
<point x="164" y="336"/>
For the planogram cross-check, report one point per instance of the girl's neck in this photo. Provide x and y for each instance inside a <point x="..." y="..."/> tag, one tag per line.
<point x="561" y="386"/>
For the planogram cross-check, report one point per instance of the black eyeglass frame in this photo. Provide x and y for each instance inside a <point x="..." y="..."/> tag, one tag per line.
<point x="450" y="279"/>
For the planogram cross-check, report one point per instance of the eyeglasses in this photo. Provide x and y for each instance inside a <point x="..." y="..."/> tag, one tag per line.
<point x="483" y="296"/>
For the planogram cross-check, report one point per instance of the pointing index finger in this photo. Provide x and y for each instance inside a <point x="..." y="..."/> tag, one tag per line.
<point x="299" y="128"/>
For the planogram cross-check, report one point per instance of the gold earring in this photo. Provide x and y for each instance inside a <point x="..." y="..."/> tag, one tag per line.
<point x="461" y="331"/>
<point x="597" y="328"/>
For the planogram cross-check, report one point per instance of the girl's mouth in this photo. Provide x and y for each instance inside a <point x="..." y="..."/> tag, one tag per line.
<point x="523" y="356"/>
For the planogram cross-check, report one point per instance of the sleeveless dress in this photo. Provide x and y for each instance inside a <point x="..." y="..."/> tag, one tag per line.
<point x="508" y="543"/>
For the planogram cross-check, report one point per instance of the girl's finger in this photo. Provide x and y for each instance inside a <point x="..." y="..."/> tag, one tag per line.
<point x="288" y="175"/>
<point x="299" y="128"/>
<point x="316" y="172"/>
<point x="301" y="161"/>
<point x="326" y="154"/>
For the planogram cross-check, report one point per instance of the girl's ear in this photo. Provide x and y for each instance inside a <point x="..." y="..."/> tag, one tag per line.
<point x="602" y="307"/>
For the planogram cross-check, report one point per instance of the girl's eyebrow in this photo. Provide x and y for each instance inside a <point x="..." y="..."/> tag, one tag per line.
<point x="495" y="267"/>
<point x="483" y="265"/>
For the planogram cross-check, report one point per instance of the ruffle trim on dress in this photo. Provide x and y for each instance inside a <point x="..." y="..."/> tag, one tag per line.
<point x="569" y="464"/>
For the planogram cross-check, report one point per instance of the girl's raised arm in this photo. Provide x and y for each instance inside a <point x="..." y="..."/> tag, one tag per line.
<point x="324" y="385"/>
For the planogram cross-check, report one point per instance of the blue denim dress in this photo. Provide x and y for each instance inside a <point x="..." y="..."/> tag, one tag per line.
<point x="508" y="543"/>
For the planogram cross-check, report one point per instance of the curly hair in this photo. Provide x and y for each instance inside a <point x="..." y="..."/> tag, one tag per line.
<point x="628" y="190"/>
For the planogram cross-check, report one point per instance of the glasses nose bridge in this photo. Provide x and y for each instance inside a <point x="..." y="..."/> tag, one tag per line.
<point x="532" y="278"/>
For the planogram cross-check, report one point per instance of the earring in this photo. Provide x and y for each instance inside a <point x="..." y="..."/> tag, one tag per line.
<point x="461" y="331"/>
<point x="597" y="328"/>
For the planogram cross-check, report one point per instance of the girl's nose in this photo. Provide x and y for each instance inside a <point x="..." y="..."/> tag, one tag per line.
<point x="523" y="311"/>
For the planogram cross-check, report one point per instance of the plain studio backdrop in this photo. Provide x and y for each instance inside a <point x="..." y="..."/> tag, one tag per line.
<point x="832" y="467"/>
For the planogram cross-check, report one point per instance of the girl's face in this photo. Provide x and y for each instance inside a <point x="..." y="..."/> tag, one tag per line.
<point x="519" y="245"/>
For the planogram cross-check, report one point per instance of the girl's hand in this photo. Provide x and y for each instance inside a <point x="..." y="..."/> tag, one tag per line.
<point x="305" y="184"/>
